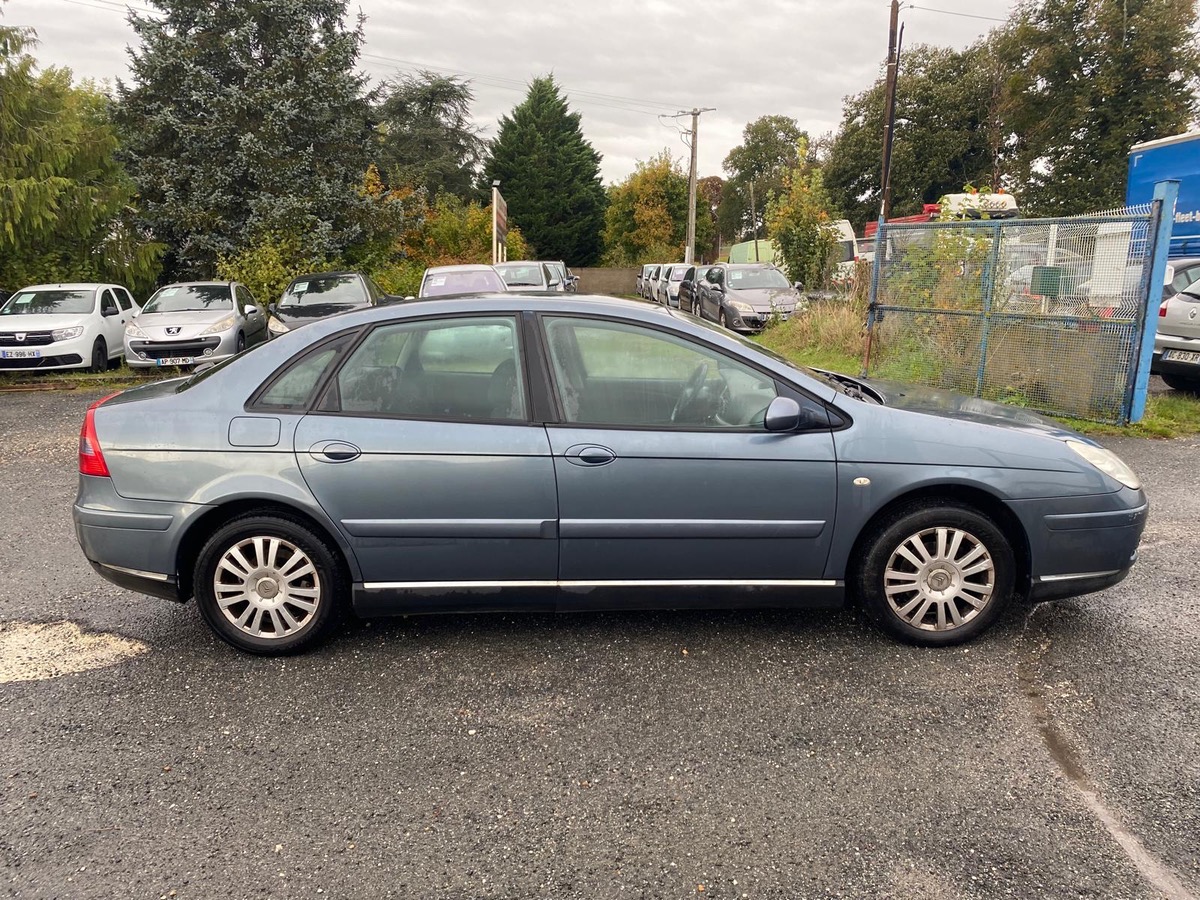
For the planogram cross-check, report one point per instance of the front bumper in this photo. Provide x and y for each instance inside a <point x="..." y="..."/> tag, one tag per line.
<point x="143" y="353"/>
<point x="1079" y="545"/>
<point x="75" y="353"/>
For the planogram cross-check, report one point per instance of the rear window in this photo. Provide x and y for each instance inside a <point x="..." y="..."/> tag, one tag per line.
<point x="293" y="388"/>
<point x="438" y="284"/>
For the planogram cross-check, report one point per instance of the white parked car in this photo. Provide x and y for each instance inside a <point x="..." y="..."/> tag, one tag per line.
<point x="65" y="326"/>
<point x="668" y="284"/>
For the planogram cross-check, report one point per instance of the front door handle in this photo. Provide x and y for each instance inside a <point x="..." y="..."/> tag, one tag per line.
<point x="589" y="455"/>
<point x="334" y="452"/>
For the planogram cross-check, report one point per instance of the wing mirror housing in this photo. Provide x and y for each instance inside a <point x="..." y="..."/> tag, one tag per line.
<point x="798" y="285"/>
<point x="784" y="414"/>
<point x="251" y="309"/>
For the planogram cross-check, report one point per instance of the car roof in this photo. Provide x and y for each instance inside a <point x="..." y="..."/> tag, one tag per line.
<point x="464" y="267"/>
<point x="757" y="265"/>
<point x="176" y="284"/>
<point x="68" y="286"/>
<point x="312" y="275"/>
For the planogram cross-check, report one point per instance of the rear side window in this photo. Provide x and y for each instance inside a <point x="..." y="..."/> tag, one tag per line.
<point x="293" y="388"/>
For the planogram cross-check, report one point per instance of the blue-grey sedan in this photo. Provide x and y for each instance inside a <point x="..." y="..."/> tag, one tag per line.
<point x="515" y="452"/>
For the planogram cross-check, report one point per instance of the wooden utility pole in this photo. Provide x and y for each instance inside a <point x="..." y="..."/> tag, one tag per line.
<point x="889" y="111"/>
<point x="689" y="251"/>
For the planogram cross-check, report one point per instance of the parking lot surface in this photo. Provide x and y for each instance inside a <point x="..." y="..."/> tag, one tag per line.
<point x="725" y="755"/>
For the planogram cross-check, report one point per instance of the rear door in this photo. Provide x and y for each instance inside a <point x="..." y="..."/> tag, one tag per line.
<point x="665" y="471"/>
<point x="423" y="452"/>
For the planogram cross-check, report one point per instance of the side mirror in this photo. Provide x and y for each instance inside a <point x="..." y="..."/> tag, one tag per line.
<point x="799" y="285"/>
<point x="109" y="311"/>
<point x="718" y="287"/>
<point x="251" y="309"/>
<point x="555" y="284"/>
<point x="271" y="306"/>
<point x="782" y="415"/>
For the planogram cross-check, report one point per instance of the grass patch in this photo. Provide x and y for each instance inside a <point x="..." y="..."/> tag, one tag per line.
<point x="73" y="379"/>
<point x="1170" y="415"/>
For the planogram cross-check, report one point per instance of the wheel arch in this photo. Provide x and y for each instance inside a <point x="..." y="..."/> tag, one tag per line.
<point x="198" y="532"/>
<point x="975" y="498"/>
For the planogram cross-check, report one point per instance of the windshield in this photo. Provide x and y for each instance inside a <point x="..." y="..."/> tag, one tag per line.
<point x="438" y="284"/>
<point x="190" y="298"/>
<point x="751" y="279"/>
<point x="325" y="289"/>
<point x="55" y="303"/>
<point x="521" y="276"/>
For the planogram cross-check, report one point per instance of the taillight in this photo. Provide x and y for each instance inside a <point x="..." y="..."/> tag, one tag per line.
<point x="1162" y="309"/>
<point x="91" y="458"/>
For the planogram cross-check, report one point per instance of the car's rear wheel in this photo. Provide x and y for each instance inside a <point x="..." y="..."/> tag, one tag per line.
<point x="269" y="584"/>
<point x="935" y="574"/>
<point x="99" y="356"/>
<point x="1182" y="383"/>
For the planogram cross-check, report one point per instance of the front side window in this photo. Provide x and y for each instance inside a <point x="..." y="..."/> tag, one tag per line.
<point x="108" y="302"/>
<point x="190" y="298"/>
<point x="448" y="369"/>
<point x="53" y="302"/>
<point x="615" y="374"/>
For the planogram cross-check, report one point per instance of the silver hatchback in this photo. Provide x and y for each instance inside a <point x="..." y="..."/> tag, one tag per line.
<point x="186" y="324"/>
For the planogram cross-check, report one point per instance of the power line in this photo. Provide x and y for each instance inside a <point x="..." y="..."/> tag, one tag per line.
<point x="949" y="12"/>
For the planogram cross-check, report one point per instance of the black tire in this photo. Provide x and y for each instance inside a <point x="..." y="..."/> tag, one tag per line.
<point x="696" y="309"/>
<point x="930" y="607"/>
<point x="99" y="356"/>
<point x="241" y="343"/>
<point x="329" y="581"/>
<point x="1182" y="383"/>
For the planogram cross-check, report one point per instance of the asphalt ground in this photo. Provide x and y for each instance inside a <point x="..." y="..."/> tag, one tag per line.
<point x="658" y="755"/>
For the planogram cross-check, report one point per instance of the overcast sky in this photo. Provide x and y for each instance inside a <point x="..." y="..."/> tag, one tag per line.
<point x="621" y="62"/>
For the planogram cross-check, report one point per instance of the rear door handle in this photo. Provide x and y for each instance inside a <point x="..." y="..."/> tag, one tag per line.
<point x="334" y="452"/>
<point x="589" y="455"/>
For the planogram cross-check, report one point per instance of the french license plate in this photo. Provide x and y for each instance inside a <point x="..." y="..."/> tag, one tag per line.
<point x="20" y="354"/>
<point x="176" y="361"/>
<point x="1188" y="356"/>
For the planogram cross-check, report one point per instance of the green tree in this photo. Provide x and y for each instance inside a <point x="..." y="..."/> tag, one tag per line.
<point x="428" y="140"/>
<point x="549" y="175"/>
<point x="245" y="121"/>
<point x="764" y="158"/>
<point x="946" y="109"/>
<point x="646" y="219"/>
<point x="798" y="222"/>
<point x="65" y="202"/>
<point x="1090" y="78"/>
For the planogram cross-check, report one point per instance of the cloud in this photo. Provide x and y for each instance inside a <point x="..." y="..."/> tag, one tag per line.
<point x="621" y="62"/>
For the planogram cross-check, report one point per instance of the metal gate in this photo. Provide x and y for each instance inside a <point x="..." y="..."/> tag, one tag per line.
<point x="1049" y="314"/>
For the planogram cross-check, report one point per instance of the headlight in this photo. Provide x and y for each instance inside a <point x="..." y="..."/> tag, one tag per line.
<point x="1108" y="463"/>
<point x="741" y="307"/>
<point x="133" y="329"/>
<point x="65" y="334"/>
<point x="224" y="325"/>
<point x="276" y="327"/>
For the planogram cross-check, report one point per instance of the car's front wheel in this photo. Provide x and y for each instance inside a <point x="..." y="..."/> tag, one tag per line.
<point x="935" y="574"/>
<point x="268" y="584"/>
<point x="99" y="356"/>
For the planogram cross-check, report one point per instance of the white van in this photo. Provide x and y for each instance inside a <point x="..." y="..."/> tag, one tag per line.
<point x="846" y="252"/>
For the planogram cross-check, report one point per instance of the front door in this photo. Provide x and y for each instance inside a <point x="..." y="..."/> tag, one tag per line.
<point x="423" y="454"/>
<point x="665" y="471"/>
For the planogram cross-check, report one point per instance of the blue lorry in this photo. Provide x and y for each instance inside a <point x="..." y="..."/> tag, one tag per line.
<point x="1176" y="158"/>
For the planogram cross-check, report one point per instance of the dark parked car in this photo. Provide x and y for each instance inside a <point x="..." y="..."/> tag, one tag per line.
<point x="323" y="294"/>
<point x="689" y="289"/>
<point x="746" y="297"/>
<point x="531" y="452"/>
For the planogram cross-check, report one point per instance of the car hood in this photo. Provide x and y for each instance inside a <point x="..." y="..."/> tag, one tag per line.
<point x="294" y="316"/>
<point x="42" y="322"/>
<point x="767" y="299"/>
<point x="951" y="405"/>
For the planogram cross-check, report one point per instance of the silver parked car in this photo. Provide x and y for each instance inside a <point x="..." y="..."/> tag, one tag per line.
<point x="529" y="275"/>
<point x="200" y="321"/>
<point x="442" y="281"/>
<point x="530" y="452"/>
<point x="1177" y="343"/>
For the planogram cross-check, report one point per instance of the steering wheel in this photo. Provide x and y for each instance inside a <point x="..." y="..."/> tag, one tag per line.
<point x="691" y="390"/>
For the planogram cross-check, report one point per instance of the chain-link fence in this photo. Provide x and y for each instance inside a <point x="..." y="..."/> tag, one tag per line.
<point x="1042" y="313"/>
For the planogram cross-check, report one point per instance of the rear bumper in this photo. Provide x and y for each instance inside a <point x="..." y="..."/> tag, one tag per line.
<point x="165" y="587"/>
